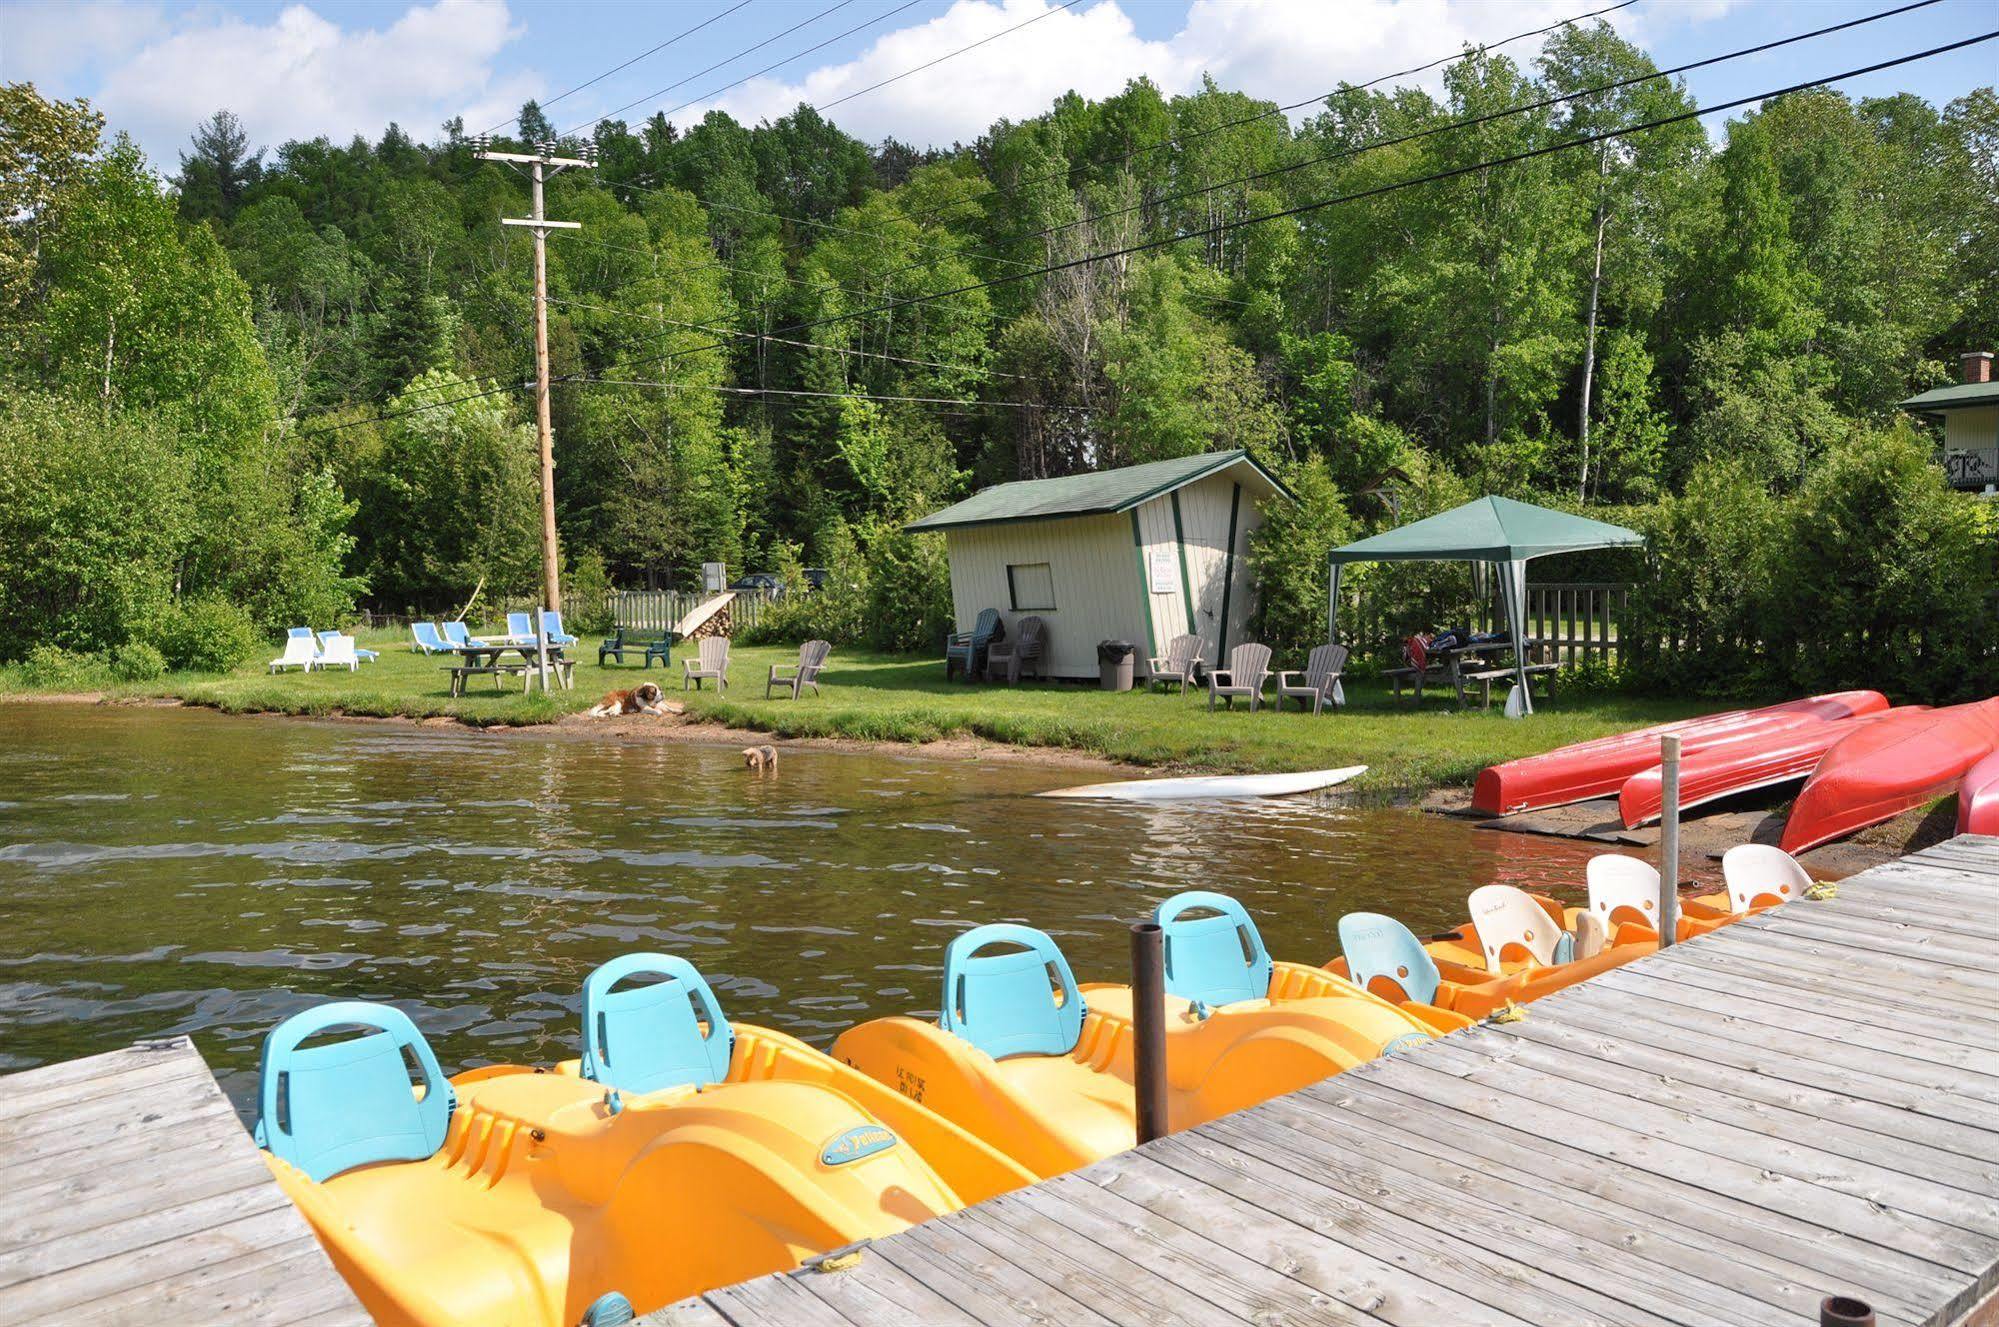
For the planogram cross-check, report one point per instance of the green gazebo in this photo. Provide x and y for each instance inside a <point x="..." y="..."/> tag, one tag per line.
<point x="1495" y="532"/>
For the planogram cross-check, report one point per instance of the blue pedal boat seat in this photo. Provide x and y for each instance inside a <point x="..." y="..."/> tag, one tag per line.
<point x="670" y="1033"/>
<point x="1007" y="1004"/>
<point x="375" y="1097"/>
<point x="1217" y="959"/>
<point x="1380" y="946"/>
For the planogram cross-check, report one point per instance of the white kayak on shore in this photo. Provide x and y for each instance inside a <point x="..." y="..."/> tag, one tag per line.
<point x="1212" y="785"/>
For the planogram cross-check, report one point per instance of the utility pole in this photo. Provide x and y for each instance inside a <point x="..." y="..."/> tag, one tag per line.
<point x="541" y="164"/>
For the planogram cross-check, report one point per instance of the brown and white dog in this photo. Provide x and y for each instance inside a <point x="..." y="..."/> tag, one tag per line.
<point x="645" y="698"/>
<point x="762" y="759"/>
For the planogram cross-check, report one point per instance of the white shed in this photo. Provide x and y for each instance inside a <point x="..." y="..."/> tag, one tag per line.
<point x="1143" y="554"/>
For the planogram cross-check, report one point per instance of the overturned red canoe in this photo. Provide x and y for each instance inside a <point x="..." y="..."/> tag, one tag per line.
<point x="1599" y="768"/>
<point x="1740" y="763"/>
<point x="1883" y="768"/>
<point x="1978" y="798"/>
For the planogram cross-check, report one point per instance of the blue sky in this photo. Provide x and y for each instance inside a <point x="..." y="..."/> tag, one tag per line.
<point x="338" y="67"/>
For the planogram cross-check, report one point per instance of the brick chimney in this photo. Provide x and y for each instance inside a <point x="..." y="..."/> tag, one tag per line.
<point x="1977" y="366"/>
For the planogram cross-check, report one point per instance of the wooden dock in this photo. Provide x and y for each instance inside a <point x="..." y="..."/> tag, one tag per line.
<point x="1804" y="1104"/>
<point x="130" y="1193"/>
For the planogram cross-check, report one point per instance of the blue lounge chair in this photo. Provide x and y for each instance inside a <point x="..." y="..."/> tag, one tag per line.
<point x="520" y="626"/>
<point x="427" y="639"/>
<point x="551" y="626"/>
<point x="365" y="656"/>
<point x="458" y="638"/>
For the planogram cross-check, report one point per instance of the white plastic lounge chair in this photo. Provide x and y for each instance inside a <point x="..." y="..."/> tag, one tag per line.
<point x="301" y="652"/>
<point x="338" y="652"/>
<point x="1505" y="917"/>
<point x="428" y="641"/>
<point x="1619" y="885"/>
<point x="1759" y="873"/>
<point x="713" y="661"/>
<point x="365" y="656"/>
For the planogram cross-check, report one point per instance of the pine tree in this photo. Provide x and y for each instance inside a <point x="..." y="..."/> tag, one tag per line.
<point x="214" y="178"/>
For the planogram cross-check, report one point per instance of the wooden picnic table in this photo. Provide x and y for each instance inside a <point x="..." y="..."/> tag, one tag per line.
<point x="1462" y="667"/>
<point x="483" y="657"/>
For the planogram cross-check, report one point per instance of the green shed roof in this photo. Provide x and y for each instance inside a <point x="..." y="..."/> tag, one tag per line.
<point x="1955" y="397"/>
<point x="1489" y="530"/>
<point x="1101" y="492"/>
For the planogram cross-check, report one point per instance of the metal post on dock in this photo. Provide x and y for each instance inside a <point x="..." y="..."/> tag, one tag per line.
<point x="1669" y="840"/>
<point x="1148" y="1020"/>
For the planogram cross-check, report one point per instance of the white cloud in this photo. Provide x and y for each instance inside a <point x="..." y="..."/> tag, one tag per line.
<point x="48" y="42"/>
<point x="300" y="75"/>
<point x="1283" y="50"/>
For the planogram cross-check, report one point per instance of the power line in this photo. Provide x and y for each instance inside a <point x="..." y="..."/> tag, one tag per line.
<point x="1046" y="13"/>
<point x="1378" y="190"/>
<point x="688" y="32"/>
<point x="830" y="396"/>
<point x="888" y="14"/>
<point x="1302" y="208"/>
<point x="1181" y="140"/>
<point x="1474" y="121"/>
<point x="783" y="341"/>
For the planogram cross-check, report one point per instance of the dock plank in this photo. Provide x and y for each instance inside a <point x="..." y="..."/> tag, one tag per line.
<point x="1802" y="1104"/>
<point x="131" y="1194"/>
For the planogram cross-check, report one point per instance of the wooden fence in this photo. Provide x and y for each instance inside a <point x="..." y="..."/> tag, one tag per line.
<point x="1579" y="620"/>
<point x="661" y="610"/>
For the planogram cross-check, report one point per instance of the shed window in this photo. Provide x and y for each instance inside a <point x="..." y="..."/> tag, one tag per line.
<point x="1031" y="585"/>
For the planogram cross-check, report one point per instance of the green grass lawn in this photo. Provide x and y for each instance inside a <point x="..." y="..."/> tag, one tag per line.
<point x="897" y="698"/>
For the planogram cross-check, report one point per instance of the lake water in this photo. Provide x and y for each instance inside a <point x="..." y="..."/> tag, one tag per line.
<point x="176" y="871"/>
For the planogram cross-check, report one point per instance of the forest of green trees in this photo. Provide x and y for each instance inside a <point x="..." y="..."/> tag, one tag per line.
<point x="260" y="386"/>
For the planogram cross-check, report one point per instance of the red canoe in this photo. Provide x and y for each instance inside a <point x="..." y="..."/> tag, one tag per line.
<point x="1978" y="798"/>
<point x="1884" y="768"/>
<point x="1600" y="767"/>
<point x="1740" y="763"/>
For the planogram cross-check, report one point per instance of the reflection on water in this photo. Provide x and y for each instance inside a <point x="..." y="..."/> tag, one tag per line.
<point x="174" y="871"/>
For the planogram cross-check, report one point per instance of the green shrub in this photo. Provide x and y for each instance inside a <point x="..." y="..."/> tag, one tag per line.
<point x="52" y="668"/>
<point x="1288" y="553"/>
<point x="908" y="592"/>
<point x="136" y="661"/>
<point x="205" y="635"/>
<point x="586" y="595"/>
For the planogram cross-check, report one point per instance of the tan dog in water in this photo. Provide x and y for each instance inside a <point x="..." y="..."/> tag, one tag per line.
<point x="645" y="698"/>
<point x="762" y="759"/>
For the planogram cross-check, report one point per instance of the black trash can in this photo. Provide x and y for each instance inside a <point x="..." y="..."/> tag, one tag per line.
<point x="1114" y="664"/>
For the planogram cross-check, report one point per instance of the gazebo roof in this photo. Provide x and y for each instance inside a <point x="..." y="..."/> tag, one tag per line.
<point x="1492" y="529"/>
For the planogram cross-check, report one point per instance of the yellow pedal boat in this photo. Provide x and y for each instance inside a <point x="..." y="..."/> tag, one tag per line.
<point x="680" y="1153"/>
<point x="1041" y="1068"/>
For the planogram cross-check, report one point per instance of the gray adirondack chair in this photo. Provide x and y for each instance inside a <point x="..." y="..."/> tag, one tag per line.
<point x="1248" y="666"/>
<point x="794" y="678"/>
<point x="712" y="661"/>
<point x="1029" y="643"/>
<point x="966" y="650"/>
<point x="1176" y="666"/>
<point x="1319" y="683"/>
